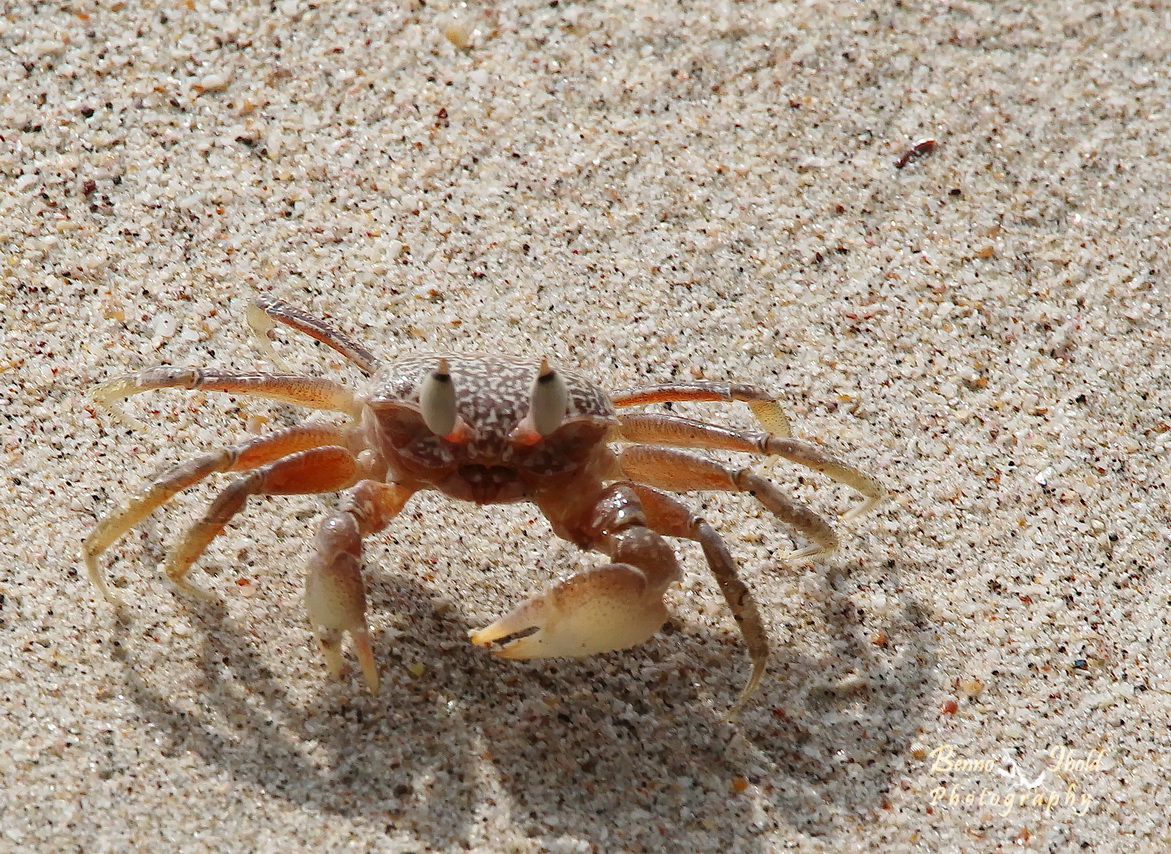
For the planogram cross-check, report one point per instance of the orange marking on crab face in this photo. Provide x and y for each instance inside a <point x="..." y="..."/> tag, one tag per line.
<point x="524" y="434"/>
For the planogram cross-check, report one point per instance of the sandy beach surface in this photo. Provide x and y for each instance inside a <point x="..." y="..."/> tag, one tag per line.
<point x="936" y="231"/>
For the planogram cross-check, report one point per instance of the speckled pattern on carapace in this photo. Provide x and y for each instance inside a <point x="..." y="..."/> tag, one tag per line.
<point x="493" y="393"/>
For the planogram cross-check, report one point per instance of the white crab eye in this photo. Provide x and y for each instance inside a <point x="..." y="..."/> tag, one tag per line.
<point x="437" y="400"/>
<point x="549" y="400"/>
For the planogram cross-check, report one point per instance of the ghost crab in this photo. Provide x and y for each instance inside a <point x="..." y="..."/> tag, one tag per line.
<point x="489" y="429"/>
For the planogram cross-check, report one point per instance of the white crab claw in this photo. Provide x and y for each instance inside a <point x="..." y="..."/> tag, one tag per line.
<point x="335" y="597"/>
<point x="595" y="611"/>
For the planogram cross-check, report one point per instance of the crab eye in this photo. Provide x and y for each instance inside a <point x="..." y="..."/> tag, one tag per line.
<point x="437" y="400"/>
<point x="549" y="400"/>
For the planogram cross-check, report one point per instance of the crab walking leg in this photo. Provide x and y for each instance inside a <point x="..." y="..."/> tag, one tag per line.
<point x="764" y="406"/>
<point x="598" y="610"/>
<point x="672" y="518"/>
<point x="309" y="392"/>
<point x="335" y="595"/>
<point x="684" y="433"/>
<point x="681" y="472"/>
<point x="243" y="457"/>
<point x="264" y="310"/>
<point x="326" y="469"/>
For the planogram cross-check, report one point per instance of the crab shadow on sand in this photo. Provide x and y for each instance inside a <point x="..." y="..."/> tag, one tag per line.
<point x="635" y="756"/>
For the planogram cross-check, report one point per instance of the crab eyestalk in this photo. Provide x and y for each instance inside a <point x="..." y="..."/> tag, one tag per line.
<point x="437" y="404"/>
<point x="548" y="402"/>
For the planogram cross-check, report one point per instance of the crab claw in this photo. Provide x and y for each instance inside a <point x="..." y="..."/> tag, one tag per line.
<point x="335" y="597"/>
<point x="599" y="610"/>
